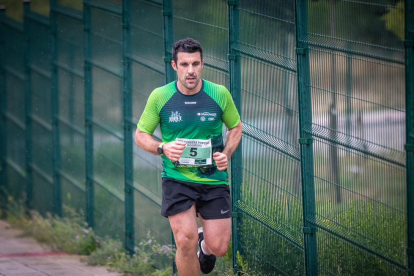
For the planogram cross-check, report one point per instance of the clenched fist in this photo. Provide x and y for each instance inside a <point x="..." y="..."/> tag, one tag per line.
<point x="173" y="150"/>
<point x="221" y="160"/>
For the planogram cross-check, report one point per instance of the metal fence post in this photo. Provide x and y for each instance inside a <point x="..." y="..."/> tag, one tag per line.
<point x="409" y="147"/>
<point x="28" y="111"/>
<point x="88" y="117"/>
<point x="57" y="191"/>
<point x="235" y="88"/>
<point x="3" y="108"/>
<point x="305" y="140"/>
<point x="128" y="141"/>
<point x="167" y="12"/>
<point x="349" y="72"/>
<point x="168" y="39"/>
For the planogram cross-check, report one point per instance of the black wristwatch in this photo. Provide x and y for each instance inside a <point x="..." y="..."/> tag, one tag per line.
<point x="160" y="149"/>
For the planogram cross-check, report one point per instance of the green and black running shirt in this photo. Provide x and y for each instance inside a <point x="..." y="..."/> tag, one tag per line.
<point x="199" y="116"/>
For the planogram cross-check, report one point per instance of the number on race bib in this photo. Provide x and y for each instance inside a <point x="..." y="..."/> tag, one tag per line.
<point x="193" y="152"/>
<point x="196" y="153"/>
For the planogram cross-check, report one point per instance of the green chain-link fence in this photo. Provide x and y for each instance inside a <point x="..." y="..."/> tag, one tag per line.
<point x="323" y="181"/>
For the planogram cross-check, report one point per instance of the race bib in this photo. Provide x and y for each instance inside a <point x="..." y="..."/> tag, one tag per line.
<point x="196" y="153"/>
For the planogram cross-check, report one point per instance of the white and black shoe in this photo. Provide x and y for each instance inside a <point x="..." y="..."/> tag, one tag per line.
<point x="207" y="262"/>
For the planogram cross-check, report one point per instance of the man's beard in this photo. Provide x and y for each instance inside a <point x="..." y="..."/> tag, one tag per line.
<point x="192" y="86"/>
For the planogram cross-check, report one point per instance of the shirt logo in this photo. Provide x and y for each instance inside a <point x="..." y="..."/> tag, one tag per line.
<point x="207" y="116"/>
<point x="175" y="117"/>
<point x="190" y="102"/>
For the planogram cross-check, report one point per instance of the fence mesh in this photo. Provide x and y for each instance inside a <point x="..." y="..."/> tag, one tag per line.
<point x="147" y="69"/>
<point x="70" y="75"/>
<point x="14" y="112"/>
<point x="320" y="180"/>
<point x="358" y="117"/>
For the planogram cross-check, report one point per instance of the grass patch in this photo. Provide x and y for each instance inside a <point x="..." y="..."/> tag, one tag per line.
<point x="355" y="237"/>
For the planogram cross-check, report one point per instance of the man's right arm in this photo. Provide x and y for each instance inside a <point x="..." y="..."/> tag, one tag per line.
<point x="172" y="150"/>
<point x="146" y="142"/>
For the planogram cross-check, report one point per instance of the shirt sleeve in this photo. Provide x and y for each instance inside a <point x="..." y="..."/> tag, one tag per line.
<point x="150" y="117"/>
<point x="230" y="116"/>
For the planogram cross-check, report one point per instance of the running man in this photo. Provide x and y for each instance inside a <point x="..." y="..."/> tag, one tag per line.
<point x="191" y="112"/>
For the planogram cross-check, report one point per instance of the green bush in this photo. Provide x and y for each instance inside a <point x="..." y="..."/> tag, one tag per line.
<point x="67" y="234"/>
<point x="150" y="257"/>
<point x="264" y="215"/>
<point x="345" y="229"/>
<point x="15" y="213"/>
<point x="371" y="225"/>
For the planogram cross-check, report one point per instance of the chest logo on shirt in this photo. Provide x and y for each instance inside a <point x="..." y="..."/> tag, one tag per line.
<point x="175" y="117"/>
<point x="207" y="116"/>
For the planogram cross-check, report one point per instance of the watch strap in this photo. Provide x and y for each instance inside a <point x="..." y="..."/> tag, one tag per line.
<point x="160" y="148"/>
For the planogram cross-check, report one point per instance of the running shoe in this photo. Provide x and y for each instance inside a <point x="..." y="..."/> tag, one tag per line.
<point x="207" y="262"/>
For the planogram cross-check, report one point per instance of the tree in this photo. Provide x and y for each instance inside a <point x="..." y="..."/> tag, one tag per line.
<point x="394" y="20"/>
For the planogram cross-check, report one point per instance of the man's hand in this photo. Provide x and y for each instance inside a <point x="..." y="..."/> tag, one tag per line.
<point x="173" y="150"/>
<point x="221" y="160"/>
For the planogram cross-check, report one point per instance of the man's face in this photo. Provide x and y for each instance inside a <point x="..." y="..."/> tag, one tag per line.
<point x="188" y="68"/>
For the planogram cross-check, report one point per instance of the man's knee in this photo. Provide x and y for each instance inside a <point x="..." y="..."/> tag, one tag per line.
<point x="217" y="248"/>
<point x="186" y="243"/>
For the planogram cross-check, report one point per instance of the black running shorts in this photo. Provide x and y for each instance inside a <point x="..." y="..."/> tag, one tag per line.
<point x="212" y="201"/>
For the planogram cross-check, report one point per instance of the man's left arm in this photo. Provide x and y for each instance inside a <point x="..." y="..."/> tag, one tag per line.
<point x="233" y="139"/>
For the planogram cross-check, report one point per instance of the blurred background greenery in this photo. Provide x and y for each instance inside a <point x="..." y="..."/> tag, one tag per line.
<point x="392" y="19"/>
<point x="14" y="8"/>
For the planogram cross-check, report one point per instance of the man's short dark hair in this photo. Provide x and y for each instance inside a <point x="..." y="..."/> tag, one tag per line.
<point x="186" y="45"/>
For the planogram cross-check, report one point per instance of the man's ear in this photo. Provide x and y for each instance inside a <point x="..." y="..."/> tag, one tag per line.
<point x="174" y="65"/>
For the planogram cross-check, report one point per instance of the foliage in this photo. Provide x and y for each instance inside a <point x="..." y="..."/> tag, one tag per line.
<point x="394" y="20"/>
<point x="67" y="234"/>
<point x="105" y="252"/>
<point x="14" y="8"/>
<point x="351" y="20"/>
<point x="224" y="266"/>
<point x="153" y="259"/>
<point x="71" y="235"/>
<point x="344" y="231"/>
<point x="62" y="233"/>
<point x="374" y="226"/>
<point x="15" y="213"/>
<point x="270" y="230"/>
<point x="150" y="258"/>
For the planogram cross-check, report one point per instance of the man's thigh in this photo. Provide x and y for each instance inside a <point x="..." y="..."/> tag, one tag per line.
<point x="216" y="231"/>
<point x="184" y="225"/>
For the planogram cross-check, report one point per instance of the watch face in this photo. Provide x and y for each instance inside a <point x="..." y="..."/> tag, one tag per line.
<point x="159" y="150"/>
